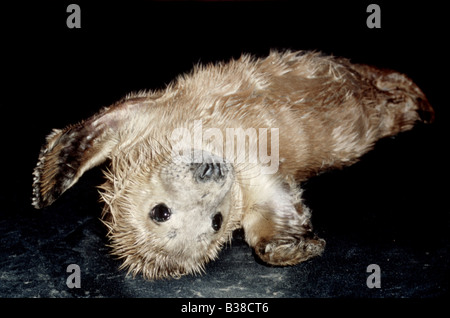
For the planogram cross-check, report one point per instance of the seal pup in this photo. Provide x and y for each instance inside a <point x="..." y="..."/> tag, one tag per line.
<point x="172" y="199"/>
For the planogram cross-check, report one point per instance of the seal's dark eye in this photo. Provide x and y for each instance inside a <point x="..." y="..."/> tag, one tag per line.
<point x="217" y="221"/>
<point x="160" y="213"/>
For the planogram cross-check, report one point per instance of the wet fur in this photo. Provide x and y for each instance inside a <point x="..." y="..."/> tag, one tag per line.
<point x="328" y="111"/>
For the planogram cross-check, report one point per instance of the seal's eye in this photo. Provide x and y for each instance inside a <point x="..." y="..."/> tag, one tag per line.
<point x="217" y="221"/>
<point x="160" y="213"/>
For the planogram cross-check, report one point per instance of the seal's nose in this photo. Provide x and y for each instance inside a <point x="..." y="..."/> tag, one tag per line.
<point x="210" y="172"/>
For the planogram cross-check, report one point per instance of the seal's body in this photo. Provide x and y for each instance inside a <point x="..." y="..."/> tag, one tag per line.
<point x="173" y="198"/>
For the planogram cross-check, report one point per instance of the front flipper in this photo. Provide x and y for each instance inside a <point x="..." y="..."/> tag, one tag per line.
<point x="280" y="230"/>
<point x="289" y="251"/>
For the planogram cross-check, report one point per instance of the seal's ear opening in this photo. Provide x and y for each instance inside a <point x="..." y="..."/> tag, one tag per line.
<point x="69" y="152"/>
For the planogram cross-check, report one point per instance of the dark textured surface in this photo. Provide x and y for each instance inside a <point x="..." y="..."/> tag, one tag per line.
<point x="390" y="209"/>
<point x="34" y="265"/>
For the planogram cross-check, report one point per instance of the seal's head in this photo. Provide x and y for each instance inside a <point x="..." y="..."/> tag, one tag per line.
<point x="168" y="217"/>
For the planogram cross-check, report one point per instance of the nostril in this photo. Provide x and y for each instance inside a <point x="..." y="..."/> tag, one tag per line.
<point x="210" y="171"/>
<point x="206" y="170"/>
<point x="217" y="221"/>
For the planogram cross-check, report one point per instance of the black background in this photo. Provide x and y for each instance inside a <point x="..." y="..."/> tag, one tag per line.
<point x="389" y="208"/>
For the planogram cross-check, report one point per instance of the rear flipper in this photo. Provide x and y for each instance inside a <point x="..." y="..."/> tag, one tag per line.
<point x="402" y="103"/>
